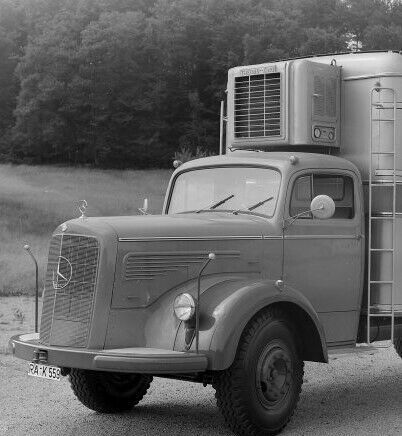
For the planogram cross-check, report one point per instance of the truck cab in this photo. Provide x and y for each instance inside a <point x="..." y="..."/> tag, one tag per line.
<point x="280" y="250"/>
<point x="322" y="259"/>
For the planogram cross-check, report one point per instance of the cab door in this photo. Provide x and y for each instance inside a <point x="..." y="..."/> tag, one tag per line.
<point x="324" y="258"/>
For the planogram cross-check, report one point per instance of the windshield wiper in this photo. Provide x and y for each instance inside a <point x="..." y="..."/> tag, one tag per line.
<point x="254" y="206"/>
<point x="215" y="205"/>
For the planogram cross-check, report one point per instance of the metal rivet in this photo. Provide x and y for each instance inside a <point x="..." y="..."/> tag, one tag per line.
<point x="294" y="160"/>
<point x="279" y="284"/>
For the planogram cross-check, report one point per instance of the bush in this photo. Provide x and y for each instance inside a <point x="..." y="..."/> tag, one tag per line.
<point x="185" y="154"/>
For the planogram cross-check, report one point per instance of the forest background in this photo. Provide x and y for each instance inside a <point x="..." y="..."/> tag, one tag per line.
<point x="126" y="83"/>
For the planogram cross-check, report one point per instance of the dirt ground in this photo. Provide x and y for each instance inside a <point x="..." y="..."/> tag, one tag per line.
<point x="356" y="394"/>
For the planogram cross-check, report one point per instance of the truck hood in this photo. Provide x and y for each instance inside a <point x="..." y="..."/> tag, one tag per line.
<point x="184" y="226"/>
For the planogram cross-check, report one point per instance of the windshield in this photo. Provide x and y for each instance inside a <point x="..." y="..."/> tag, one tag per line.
<point x="241" y="188"/>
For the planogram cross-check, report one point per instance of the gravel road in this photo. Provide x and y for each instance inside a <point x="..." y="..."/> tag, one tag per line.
<point x="354" y="395"/>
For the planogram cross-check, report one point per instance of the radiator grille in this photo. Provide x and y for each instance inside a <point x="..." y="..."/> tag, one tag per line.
<point x="257" y="106"/>
<point x="67" y="310"/>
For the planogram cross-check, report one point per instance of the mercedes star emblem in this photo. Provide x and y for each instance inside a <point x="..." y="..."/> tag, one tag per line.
<point x="62" y="274"/>
<point x="82" y="208"/>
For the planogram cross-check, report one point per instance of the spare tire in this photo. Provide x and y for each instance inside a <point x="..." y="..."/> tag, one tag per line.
<point x="109" y="392"/>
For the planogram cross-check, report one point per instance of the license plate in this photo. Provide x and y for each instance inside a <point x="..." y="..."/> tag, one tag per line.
<point x="44" y="371"/>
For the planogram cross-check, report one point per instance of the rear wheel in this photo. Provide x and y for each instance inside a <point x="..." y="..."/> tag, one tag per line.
<point x="398" y="346"/>
<point x="109" y="392"/>
<point x="258" y="394"/>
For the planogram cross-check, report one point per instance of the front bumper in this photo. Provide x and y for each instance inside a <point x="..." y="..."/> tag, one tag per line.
<point x="131" y="360"/>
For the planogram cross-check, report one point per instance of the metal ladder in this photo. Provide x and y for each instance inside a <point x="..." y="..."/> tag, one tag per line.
<point x="377" y="187"/>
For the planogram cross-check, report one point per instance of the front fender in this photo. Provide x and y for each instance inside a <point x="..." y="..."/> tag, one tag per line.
<point x="231" y="314"/>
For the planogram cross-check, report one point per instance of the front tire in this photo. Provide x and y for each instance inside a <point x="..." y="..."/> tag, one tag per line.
<point x="258" y="394"/>
<point x="398" y="346"/>
<point x="109" y="392"/>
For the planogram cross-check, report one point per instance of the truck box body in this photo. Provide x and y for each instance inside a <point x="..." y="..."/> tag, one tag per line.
<point x="347" y="105"/>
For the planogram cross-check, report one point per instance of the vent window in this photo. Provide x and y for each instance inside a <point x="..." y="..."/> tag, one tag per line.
<point x="257" y="106"/>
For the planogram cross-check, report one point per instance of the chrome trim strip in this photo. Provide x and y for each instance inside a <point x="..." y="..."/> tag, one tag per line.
<point x="225" y="238"/>
<point x="189" y="238"/>
<point x="298" y="237"/>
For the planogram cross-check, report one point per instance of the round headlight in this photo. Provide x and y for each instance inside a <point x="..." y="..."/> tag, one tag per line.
<point x="184" y="307"/>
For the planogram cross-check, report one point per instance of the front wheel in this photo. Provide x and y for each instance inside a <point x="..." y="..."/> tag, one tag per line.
<point x="109" y="392"/>
<point x="258" y="394"/>
<point x="398" y="346"/>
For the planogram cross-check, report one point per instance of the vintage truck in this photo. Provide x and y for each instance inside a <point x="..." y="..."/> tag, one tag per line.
<point x="282" y="249"/>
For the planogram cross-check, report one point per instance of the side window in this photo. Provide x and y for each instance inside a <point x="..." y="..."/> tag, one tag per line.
<point x="339" y="188"/>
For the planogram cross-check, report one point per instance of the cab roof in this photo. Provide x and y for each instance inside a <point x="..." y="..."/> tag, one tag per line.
<point x="279" y="160"/>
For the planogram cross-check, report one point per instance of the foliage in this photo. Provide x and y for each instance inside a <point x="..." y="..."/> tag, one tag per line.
<point x="126" y="83"/>
<point x="186" y="154"/>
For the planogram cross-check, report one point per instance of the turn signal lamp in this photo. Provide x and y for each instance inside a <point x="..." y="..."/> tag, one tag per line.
<point x="184" y="307"/>
<point x="317" y="133"/>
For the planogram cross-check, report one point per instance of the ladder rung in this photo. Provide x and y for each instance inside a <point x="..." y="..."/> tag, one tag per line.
<point x="382" y="217"/>
<point x="398" y="181"/>
<point x="381" y="282"/>
<point x="382" y="183"/>
<point x="383" y="152"/>
<point x="381" y="315"/>
<point x="387" y="250"/>
<point x="377" y="119"/>
<point x="381" y="104"/>
<point x="388" y="172"/>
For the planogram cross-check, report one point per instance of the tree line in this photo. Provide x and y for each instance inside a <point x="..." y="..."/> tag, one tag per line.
<point x="126" y="83"/>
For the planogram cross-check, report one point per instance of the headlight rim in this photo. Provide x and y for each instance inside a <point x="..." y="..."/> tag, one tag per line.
<point x="192" y="305"/>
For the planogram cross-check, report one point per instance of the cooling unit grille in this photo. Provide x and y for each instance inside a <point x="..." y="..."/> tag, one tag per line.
<point x="325" y="104"/>
<point x="257" y="106"/>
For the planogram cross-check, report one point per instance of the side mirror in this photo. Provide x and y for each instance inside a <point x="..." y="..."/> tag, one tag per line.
<point x="322" y="207"/>
<point x="144" y="208"/>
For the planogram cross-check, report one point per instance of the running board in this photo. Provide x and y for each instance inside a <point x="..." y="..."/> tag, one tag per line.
<point x="358" y="349"/>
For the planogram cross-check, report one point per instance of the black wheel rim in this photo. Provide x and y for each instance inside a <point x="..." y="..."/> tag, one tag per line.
<point x="274" y="375"/>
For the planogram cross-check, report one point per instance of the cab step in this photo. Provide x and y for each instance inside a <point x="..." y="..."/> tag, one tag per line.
<point x="358" y="349"/>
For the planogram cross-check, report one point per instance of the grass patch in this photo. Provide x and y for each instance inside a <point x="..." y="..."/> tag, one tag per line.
<point x="34" y="200"/>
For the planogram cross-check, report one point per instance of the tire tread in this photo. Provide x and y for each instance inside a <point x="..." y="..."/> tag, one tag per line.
<point x="228" y="395"/>
<point x="90" y="392"/>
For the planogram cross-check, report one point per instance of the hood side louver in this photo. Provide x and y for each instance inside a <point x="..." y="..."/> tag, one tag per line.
<point x="148" y="266"/>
